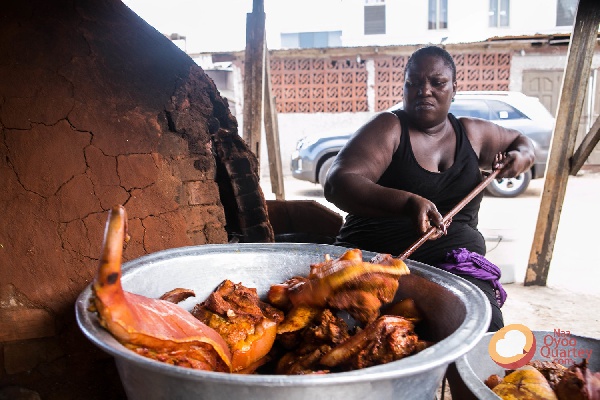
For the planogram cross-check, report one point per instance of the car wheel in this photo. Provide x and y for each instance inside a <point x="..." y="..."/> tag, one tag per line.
<point x="509" y="187"/>
<point x="324" y="170"/>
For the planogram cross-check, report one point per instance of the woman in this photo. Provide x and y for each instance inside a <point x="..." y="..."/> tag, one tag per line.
<point x="403" y="170"/>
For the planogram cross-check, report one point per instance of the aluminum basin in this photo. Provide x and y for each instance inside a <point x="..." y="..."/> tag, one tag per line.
<point x="456" y="316"/>
<point x="477" y="365"/>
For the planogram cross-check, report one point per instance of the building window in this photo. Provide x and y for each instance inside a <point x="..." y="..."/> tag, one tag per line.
<point x="308" y="40"/>
<point x="438" y="14"/>
<point x="565" y="12"/>
<point x="499" y="13"/>
<point x="374" y="17"/>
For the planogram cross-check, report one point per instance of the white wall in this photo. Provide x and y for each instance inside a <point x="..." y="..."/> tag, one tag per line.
<point x="406" y="22"/>
<point x="301" y="16"/>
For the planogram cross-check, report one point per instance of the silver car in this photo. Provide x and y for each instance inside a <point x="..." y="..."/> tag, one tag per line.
<point x="312" y="158"/>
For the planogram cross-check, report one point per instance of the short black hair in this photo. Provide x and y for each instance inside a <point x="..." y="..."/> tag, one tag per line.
<point x="435" y="51"/>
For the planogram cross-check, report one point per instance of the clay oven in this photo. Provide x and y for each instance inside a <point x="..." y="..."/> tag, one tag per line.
<point x="98" y="108"/>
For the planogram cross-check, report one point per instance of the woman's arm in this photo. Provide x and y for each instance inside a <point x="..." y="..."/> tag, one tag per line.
<point x="489" y="139"/>
<point x="351" y="182"/>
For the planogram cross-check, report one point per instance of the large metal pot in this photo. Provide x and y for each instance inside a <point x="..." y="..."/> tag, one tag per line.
<point x="457" y="315"/>
<point x="477" y="365"/>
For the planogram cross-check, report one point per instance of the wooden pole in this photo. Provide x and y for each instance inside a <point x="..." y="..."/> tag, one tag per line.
<point x="568" y="114"/>
<point x="272" y="135"/>
<point x="253" y="76"/>
<point x="586" y="147"/>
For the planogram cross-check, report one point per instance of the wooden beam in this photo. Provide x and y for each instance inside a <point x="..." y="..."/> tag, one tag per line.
<point x="272" y="135"/>
<point x="568" y="114"/>
<point x="585" y="148"/>
<point x="253" y="76"/>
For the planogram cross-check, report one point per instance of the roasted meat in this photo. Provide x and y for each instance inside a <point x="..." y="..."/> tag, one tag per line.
<point x="348" y="283"/>
<point x="547" y="380"/>
<point x="406" y="308"/>
<point x="177" y="295"/>
<point x="278" y="294"/>
<point x="154" y="328"/>
<point x="525" y="383"/>
<point x="579" y="383"/>
<point x="298" y="318"/>
<point x="247" y="324"/>
<point x="387" y="339"/>
<point x="232" y="330"/>
<point x="309" y="344"/>
<point x="552" y="371"/>
<point x="492" y="381"/>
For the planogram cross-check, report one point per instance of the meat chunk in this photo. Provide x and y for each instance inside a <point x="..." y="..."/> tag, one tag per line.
<point x="247" y="324"/>
<point x="278" y="294"/>
<point x="153" y="328"/>
<point x="492" y="381"/>
<point x="387" y="339"/>
<point x="351" y="284"/>
<point x="177" y="295"/>
<point x="548" y="380"/>
<point x="311" y="343"/>
<point x="579" y="383"/>
<point x="552" y="371"/>
<point x="525" y="383"/>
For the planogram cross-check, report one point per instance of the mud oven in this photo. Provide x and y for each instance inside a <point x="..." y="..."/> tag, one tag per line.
<point x="97" y="108"/>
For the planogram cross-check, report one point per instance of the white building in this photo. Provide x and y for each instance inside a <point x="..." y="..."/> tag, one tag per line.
<point x="350" y="23"/>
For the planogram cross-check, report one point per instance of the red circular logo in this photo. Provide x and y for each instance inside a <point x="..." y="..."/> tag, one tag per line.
<point x="512" y="346"/>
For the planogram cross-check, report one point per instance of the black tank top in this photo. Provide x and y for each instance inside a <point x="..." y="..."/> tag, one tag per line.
<point x="445" y="189"/>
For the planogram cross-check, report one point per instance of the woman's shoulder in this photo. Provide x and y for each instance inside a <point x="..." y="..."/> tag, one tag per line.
<point x="476" y="127"/>
<point x="475" y="122"/>
<point x="399" y="113"/>
<point x="385" y="119"/>
<point x="382" y="130"/>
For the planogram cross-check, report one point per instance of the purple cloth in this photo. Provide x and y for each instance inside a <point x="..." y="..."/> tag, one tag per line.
<point x="465" y="262"/>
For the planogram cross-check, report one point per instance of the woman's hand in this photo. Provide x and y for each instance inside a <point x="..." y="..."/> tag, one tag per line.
<point x="427" y="215"/>
<point x="515" y="163"/>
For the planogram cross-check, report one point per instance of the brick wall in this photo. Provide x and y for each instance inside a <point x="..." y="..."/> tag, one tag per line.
<point x="338" y="85"/>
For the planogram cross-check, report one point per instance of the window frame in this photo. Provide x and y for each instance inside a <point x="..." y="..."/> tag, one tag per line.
<point x="437" y="15"/>
<point x="563" y="8"/>
<point x="311" y="40"/>
<point x="496" y="10"/>
<point x="374" y="24"/>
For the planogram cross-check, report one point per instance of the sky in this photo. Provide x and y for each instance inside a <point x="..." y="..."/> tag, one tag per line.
<point x="208" y="25"/>
<point x="220" y="25"/>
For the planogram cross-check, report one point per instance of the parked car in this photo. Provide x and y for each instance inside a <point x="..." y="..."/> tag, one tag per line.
<point x="313" y="157"/>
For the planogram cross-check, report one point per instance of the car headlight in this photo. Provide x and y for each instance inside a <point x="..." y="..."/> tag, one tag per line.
<point x="305" y="142"/>
<point x="300" y="143"/>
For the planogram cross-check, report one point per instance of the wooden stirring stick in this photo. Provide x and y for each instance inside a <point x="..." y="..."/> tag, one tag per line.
<point x="498" y="167"/>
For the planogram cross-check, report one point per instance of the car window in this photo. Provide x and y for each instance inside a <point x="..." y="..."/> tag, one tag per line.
<point x="501" y="110"/>
<point x="470" y="108"/>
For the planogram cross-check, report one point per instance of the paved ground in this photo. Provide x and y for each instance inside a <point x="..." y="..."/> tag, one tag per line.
<point x="571" y="299"/>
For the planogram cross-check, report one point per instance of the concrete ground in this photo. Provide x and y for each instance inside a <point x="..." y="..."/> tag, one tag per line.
<point x="571" y="299"/>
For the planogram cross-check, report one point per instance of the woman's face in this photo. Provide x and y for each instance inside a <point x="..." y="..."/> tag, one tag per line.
<point x="428" y="90"/>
